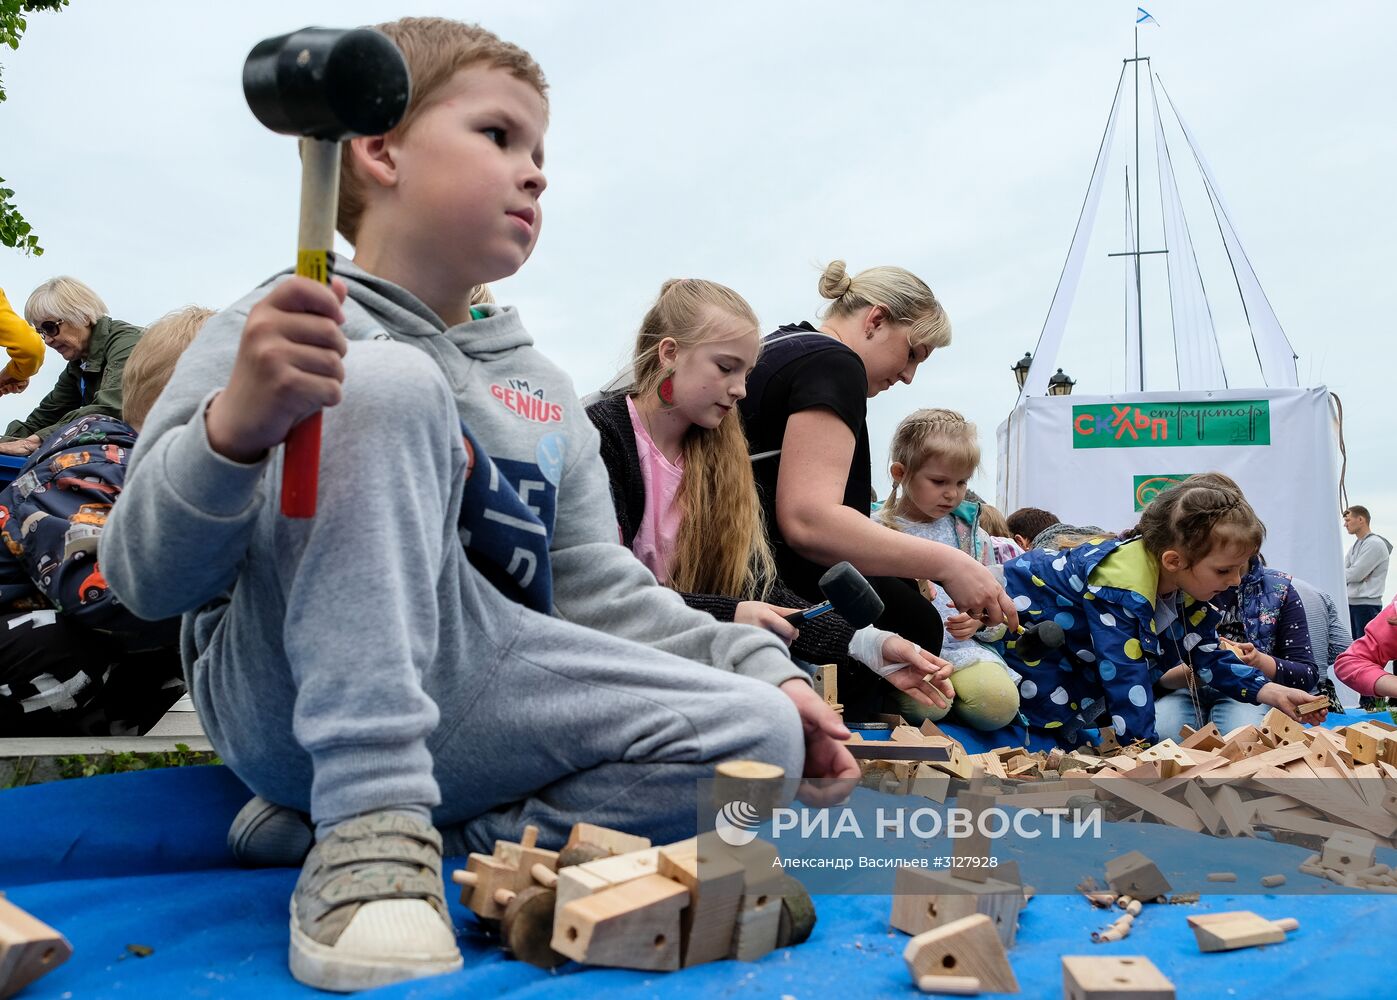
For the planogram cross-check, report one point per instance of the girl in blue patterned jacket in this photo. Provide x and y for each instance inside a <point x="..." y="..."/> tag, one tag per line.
<point x="1135" y="606"/>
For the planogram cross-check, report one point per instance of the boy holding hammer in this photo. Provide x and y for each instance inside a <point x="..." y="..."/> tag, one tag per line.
<point x="456" y="638"/>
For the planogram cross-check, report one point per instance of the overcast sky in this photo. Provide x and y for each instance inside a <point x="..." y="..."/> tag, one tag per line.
<point x="751" y="142"/>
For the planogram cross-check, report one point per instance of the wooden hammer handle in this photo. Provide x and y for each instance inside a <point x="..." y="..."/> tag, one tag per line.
<point x="320" y="193"/>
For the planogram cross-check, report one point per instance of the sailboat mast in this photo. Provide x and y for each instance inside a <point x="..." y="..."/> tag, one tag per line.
<point x="1139" y="220"/>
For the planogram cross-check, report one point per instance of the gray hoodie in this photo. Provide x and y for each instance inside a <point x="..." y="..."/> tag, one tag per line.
<point x="175" y="542"/>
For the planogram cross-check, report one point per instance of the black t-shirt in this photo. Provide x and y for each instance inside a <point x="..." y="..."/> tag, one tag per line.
<point x="798" y="369"/>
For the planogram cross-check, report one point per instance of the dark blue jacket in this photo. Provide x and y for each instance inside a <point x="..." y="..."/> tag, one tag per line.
<point x="51" y="517"/>
<point x="1103" y="593"/>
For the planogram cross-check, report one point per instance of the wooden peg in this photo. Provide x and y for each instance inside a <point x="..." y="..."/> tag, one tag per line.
<point x="961" y="986"/>
<point x="544" y="875"/>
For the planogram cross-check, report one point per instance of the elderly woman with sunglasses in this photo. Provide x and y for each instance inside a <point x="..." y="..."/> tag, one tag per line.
<point x="73" y="320"/>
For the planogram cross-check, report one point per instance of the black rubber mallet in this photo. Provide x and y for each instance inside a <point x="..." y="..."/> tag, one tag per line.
<point x="1035" y="640"/>
<point x="324" y="85"/>
<point x="847" y="592"/>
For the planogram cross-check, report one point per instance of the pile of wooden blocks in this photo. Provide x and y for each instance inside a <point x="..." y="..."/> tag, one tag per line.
<point x="613" y="899"/>
<point x="1333" y="790"/>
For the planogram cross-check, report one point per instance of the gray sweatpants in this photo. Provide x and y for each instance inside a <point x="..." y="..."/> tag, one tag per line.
<point x="400" y="677"/>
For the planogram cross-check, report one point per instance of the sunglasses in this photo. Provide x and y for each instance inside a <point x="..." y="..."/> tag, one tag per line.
<point x="49" y="328"/>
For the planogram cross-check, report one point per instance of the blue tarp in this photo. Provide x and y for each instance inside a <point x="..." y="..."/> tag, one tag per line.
<point x="140" y="859"/>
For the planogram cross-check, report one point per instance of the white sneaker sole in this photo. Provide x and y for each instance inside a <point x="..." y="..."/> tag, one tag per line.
<point x="327" y="968"/>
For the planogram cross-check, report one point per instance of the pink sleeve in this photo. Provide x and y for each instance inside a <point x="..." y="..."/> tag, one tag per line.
<point x="1362" y="664"/>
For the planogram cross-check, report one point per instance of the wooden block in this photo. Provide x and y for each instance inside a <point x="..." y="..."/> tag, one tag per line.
<point x="613" y="840"/>
<point x="925" y="898"/>
<point x="1113" y="977"/>
<point x="757" y="926"/>
<point x="1237" y="929"/>
<point x="929" y="783"/>
<point x="827" y="684"/>
<point x="965" y="947"/>
<point x="578" y="881"/>
<point x="484" y="877"/>
<point x="1348" y="852"/>
<point x="1136" y="876"/>
<point x="977" y="844"/>
<point x="1207" y="738"/>
<point x="630" y="926"/>
<point x="1309" y="707"/>
<point x="1362" y="739"/>
<point x="991" y="763"/>
<point x="1173" y="813"/>
<point x="1167" y="756"/>
<point x="1280" y="728"/>
<point x="29" y="948"/>
<point x="715" y="884"/>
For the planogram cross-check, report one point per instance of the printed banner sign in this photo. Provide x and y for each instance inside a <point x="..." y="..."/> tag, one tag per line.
<point x="1149" y="487"/>
<point x="1238" y="423"/>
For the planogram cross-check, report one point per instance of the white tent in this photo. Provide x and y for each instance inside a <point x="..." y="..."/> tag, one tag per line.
<point x="1100" y="459"/>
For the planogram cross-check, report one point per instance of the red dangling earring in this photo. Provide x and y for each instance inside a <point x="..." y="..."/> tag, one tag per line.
<point x="665" y="390"/>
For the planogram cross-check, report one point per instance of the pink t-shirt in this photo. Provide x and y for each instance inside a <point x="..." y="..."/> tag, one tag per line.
<point x="659" y="527"/>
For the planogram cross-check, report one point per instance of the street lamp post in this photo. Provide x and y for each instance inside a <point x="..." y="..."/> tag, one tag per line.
<point x="1060" y="384"/>
<point x="1020" y="368"/>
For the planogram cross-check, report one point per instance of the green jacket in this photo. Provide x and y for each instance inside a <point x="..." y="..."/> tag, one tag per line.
<point x="88" y="385"/>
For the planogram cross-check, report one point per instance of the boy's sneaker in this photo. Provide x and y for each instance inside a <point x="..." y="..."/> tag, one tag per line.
<point x="370" y="909"/>
<point x="266" y="835"/>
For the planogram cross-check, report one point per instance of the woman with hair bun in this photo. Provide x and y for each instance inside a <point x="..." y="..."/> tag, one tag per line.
<point x="805" y="418"/>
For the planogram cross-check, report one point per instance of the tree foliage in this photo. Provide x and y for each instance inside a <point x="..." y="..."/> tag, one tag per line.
<point x="15" y="232"/>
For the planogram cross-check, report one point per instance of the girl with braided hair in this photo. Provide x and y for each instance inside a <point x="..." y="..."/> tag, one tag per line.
<point x="1136" y="606"/>
<point x="934" y="453"/>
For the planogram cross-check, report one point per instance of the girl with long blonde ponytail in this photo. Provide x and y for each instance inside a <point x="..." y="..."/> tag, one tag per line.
<point x="681" y="478"/>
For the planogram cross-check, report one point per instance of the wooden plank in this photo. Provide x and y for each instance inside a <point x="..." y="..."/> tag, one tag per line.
<point x="888" y="750"/>
<point x="1247" y="766"/>
<point x="1203" y="807"/>
<point x="1173" y="813"/>
<point x="1328" y="797"/>
<point x="1186" y="776"/>
<point x="1236" y="818"/>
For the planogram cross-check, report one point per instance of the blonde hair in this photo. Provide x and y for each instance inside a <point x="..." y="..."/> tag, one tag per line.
<point x="482" y="296"/>
<point x="905" y="296"/>
<point x="152" y="360"/>
<point x="722" y="546"/>
<point x="993" y="521"/>
<point x="64" y="298"/>
<point x="436" y="49"/>
<point x="925" y="434"/>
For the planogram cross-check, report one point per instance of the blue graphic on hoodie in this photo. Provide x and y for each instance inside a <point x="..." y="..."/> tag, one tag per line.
<point x="507" y="517"/>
